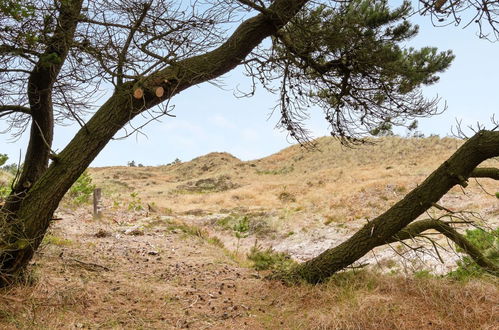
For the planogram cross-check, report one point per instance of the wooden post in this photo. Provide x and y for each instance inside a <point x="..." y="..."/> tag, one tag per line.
<point x="97" y="203"/>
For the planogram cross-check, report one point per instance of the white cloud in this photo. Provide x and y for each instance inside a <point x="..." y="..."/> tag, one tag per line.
<point x="250" y="135"/>
<point x="222" y="122"/>
<point x="185" y="128"/>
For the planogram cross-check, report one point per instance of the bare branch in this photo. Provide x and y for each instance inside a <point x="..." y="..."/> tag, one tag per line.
<point x="125" y="49"/>
<point x="14" y="108"/>
<point x="8" y="49"/>
<point x="418" y="227"/>
<point x="483" y="13"/>
<point x="254" y="5"/>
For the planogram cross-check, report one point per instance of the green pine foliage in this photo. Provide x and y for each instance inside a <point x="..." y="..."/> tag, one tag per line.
<point x="351" y="61"/>
<point x="488" y="243"/>
<point x="4" y="192"/>
<point x="16" y="9"/>
<point x="3" y="159"/>
<point x="81" y="191"/>
<point x="4" y="188"/>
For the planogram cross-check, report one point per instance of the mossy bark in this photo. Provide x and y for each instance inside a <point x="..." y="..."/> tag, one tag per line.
<point x="30" y="208"/>
<point x="456" y="170"/>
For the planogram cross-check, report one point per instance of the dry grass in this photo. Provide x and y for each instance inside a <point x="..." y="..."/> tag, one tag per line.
<point x="367" y="300"/>
<point x="180" y="269"/>
<point x="209" y="290"/>
<point x="330" y="181"/>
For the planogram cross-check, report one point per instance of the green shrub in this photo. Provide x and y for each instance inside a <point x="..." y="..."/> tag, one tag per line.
<point x="245" y="225"/>
<point x="3" y="159"/>
<point x="242" y="227"/>
<point x="422" y="274"/>
<point x="191" y="230"/>
<point x="136" y="202"/>
<point x="280" y="171"/>
<point x="56" y="240"/>
<point x="213" y="240"/>
<point x="268" y="259"/>
<point x="81" y="191"/>
<point x="488" y="243"/>
<point x="5" y="177"/>
<point x="4" y="192"/>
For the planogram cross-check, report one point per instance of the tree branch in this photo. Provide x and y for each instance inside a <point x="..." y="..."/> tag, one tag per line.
<point x="124" y="50"/>
<point x="121" y="107"/>
<point x="39" y="91"/>
<point x="439" y="4"/>
<point x="14" y="70"/>
<point x="482" y="146"/>
<point x="8" y="49"/>
<point x="305" y="57"/>
<point x="261" y="8"/>
<point x="485" y="172"/>
<point x="416" y="228"/>
<point x="198" y="69"/>
<point x="15" y="108"/>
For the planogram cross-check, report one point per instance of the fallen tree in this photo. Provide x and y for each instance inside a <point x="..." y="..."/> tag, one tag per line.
<point x="397" y="223"/>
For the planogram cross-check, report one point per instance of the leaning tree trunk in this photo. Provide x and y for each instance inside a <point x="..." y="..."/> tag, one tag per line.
<point x="456" y="170"/>
<point x="17" y="241"/>
<point x="25" y="217"/>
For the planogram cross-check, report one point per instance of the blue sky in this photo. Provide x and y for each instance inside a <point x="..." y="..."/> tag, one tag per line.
<point x="210" y="119"/>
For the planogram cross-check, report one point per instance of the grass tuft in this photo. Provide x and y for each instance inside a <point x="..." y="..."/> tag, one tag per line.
<point x="268" y="259"/>
<point x="50" y="239"/>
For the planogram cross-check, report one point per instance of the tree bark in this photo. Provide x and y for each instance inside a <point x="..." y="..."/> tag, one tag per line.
<point x="456" y="170"/>
<point x="35" y="205"/>
<point x="485" y="172"/>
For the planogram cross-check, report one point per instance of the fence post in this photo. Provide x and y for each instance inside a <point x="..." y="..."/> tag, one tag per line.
<point x="97" y="203"/>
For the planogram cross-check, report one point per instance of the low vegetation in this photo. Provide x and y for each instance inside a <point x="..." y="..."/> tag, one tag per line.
<point x="488" y="243"/>
<point x="268" y="259"/>
<point x="205" y="255"/>
<point x="220" y="183"/>
<point x="81" y="191"/>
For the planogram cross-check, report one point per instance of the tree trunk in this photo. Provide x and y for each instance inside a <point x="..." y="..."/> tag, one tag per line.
<point x="26" y="216"/>
<point x="18" y="243"/>
<point x="456" y="170"/>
